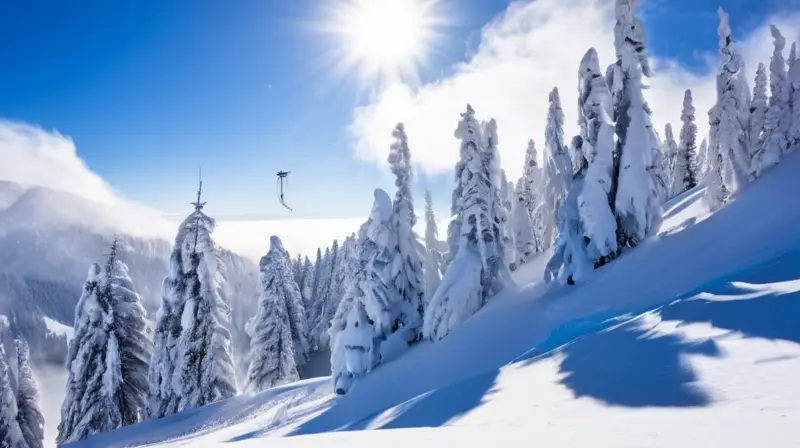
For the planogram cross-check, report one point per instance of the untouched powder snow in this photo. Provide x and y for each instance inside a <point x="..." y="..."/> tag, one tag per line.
<point x="690" y="340"/>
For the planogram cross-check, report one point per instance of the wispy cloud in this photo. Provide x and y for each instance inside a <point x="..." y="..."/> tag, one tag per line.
<point x="523" y="53"/>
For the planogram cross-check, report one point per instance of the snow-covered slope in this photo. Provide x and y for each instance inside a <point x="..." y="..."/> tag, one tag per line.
<point x="689" y="340"/>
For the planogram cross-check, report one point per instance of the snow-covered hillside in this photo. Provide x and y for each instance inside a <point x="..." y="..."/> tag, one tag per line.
<point x="689" y="340"/>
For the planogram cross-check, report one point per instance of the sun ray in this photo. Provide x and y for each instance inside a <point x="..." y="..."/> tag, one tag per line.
<point x="384" y="41"/>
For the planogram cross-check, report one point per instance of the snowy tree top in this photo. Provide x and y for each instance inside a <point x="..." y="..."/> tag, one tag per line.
<point x="780" y="41"/>
<point x="275" y="244"/>
<point x="590" y="64"/>
<point x="629" y="33"/>
<point x="668" y="135"/>
<point x="382" y="208"/>
<point x="468" y="128"/>
<point x="724" y="29"/>
<point x="490" y="133"/>
<point x="688" y="107"/>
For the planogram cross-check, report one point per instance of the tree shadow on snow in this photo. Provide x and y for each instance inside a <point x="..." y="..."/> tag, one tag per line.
<point x="761" y="303"/>
<point x="631" y="366"/>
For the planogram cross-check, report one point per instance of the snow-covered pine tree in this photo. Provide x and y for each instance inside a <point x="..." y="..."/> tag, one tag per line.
<point x="192" y="364"/>
<point x="777" y="124"/>
<point x="297" y="270"/>
<point x="339" y="283"/>
<point x="507" y="199"/>
<point x="716" y="192"/>
<point x="433" y="255"/>
<point x="407" y="272"/>
<point x="794" y="83"/>
<point x="524" y="239"/>
<point x="477" y="272"/>
<point x="670" y="156"/>
<point x="684" y="175"/>
<point x="530" y="190"/>
<point x="29" y="412"/>
<point x="597" y="133"/>
<point x="557" y="171"/>
<point x="272" y="357"/>
<point x="11" y="436"/>
<point x="307" y="286"/>
<point x="732" y="108"/>
<point x="322" y="305"/>
<point x="93" y="364"/>
<point x="700" y="161"/>
<point x="635" y="189"/>
<point x="758" y="115"/>
<point x="370" y="300"/>
<point x="312" y="298"/>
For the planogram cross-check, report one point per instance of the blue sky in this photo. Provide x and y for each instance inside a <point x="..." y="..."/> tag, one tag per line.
<point x="151" y="90"/>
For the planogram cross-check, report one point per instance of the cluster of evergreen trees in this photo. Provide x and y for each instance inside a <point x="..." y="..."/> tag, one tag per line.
<point x="21" y="419"/>
<point x="381" y="290"/>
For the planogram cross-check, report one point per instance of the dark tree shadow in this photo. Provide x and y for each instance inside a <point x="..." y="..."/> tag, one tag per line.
<point x="629" y="366"/>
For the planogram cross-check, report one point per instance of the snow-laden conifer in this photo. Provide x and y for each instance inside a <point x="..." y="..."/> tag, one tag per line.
<point x="406" y="272"/>
<point x="370" y="300"/>
<point x="758" y="114"/>
<point x="433" y="254"/>
<point x="597" y="134"/>
<point x="557" y="171"/>
<point x="670" y="151"/>
<point x="716" y="192"/>
<point x="507" y="199"/>
<point x="777" y="124"/>
<point x="702" y="156"/>
<point x="530" y="190"/>
<point x="525" y="242"/>
<point x="192" y="364"/>
<point x="684" y="175"/>
<point x="272" y="357"/>
<point x="29" y="412"/>
<point x="477" y="272"/>
<point x="10" y="433"/>
<point x="636" y="190"/>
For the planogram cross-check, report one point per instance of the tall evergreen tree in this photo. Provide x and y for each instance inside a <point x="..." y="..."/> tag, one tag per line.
<point x="407" y="274"/>
<point x="367" y="313"/>
<point x="314" y="296"/>
<point x="671" y="155"/>
<point x="11" y="435"/>
<point x="776" y="127"/>
<point x="684" y="175"/>
<point x="597" y="141"/>
<point x="524" y="239"/>
<point x="716" y="192"/>
<point x="794" y="84"/>
<point x="557" y="171"/>
<point x="530" y="191"/>
<point x="758" y="115"/>
<point x="635" y="189"/>
<point x="322" y="304"/>
<point x="433" y="255"/>
<point x="192" y="364"/>
<point x="29" y="412"/>
<point x="272" y="345"/>
<point x="702" y="155"/>
<point x="507" y="200"/>
<point x="732" y="107"/>
<point x="480" y="247"/>
<point x="307" y="285"/>
<point x="340" y="278"/>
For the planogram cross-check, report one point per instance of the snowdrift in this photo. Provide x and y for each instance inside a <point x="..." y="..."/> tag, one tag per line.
<point x="689" y="340"/>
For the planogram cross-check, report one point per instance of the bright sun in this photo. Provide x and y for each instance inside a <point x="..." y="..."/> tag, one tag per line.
<point x="385" y="39"/>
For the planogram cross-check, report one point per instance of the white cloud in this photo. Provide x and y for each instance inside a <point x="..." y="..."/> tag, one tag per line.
<point x="525" y="52"/>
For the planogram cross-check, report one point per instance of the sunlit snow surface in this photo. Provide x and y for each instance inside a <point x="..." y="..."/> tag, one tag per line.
<point x="690" y="340"/>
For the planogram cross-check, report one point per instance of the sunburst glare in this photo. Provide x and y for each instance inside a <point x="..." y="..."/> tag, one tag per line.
<point x="384" y="40"/>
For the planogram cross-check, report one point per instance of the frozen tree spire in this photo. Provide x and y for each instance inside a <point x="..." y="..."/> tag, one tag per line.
<point x="684" y="176"/>
<point x="702" y="155"/>
<point x="557" y="171"/>
<point x="530" y="193"/>
<point x="777" y="124"/>
<point x="507" y="200"/>
<point x="635" y="190"/>
<point x="433" y="255"/>
<point x="371" y="306"/>
<point x="758" y="113"/>
<point x="29" y="413"/>
<point x="716" y="192"/>
<point x="192" y="364"/>
<point x="272" y="358"/>
<point x="671" y="154"/>
<point x="597" y="134"/>
<point x="794" y="84"/>
<point x="407" y="274"/>
<point x="524" y="238"/>
<point x="480" y="246"/>
<point x="11" y="435"/>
